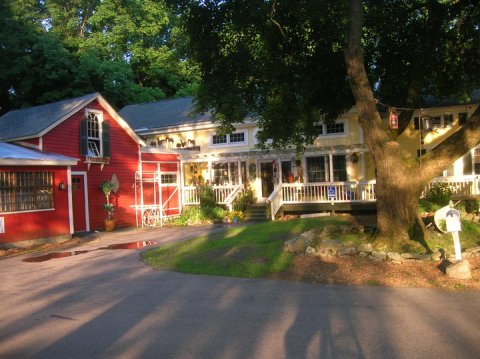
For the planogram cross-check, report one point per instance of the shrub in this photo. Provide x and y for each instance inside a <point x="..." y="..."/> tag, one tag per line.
<point x="471" y="206"/>
<point x="439" y="194"/>
<point x="243" y="200"/>
<point x="207" y="197"/>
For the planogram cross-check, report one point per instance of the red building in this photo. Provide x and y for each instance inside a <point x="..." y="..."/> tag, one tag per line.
<point x="86" y="128"/>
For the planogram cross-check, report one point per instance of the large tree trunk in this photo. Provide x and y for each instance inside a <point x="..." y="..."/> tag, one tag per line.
<point x="397" y="199"/>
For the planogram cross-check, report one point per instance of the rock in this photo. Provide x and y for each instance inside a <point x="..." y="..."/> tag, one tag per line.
<point x="308" y="236"/>
<point x="363" y="254"/>
<point x="438" y="255"/>
<point x="357" y="229"/>
<point x="325" y="252"/>
<point x="310" y="251"/>
<point x="473" y="250"/>
<point x="365" y="247"/>
<point x="346" y="251"/>
<point x="328" y="232"/>
<point x="345" y="229"/>
<point x="394" y="256"/>
<point x="374" y="258"/>
<point x="296" y="245"/>
<point x="379" y="255"/>
<point x="416" y="256"/>
<point x="460" y="270"/>
<point x="467" y="255"/>
<point x="330" y="244"/>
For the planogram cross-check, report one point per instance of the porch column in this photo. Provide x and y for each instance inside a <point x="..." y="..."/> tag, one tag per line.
<point x="209" y="164"/>
<point x="330" y="166"/>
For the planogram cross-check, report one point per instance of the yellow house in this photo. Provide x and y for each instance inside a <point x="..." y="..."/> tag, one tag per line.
<point x="336" y="171"/>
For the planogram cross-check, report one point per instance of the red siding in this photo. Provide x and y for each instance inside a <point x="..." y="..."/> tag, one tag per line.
<point x="65" y="139"/>
<point x="41" y="224"/>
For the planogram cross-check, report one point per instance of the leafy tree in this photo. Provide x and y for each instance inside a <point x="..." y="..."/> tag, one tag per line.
<point x="288" y="63"/>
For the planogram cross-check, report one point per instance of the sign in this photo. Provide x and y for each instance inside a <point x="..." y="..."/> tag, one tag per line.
<point x="393" y="119"/>
<point x="452" y="219"/>
<point x="332" y="192"/>
<point x="101" y="160"/>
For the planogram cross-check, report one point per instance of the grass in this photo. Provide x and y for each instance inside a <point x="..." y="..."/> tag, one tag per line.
<point x="248" y="251"/>
<point x="469" y="237"/>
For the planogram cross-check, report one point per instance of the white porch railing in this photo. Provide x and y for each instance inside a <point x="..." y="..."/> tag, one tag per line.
<point x="463" y="185"/>
<point x="231" y="197"/>
<point x="328" y="192"/>
<point x="191" y="194"/>
<point x="275" y="200"/>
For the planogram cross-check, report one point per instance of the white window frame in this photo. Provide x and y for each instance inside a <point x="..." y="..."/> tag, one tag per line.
<point x="229" y="143"/>
<point x="324" y="133"/>
<point x="99" y="115"/>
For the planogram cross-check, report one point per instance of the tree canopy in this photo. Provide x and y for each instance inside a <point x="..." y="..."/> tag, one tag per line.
<point x="131" y="51"/>
<point x="293" y="64"/>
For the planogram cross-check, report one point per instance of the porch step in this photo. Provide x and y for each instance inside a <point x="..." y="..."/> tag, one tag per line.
<point x="256" y="212"/>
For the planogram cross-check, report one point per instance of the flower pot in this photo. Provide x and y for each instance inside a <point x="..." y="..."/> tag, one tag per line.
<point x="109" y="225"/>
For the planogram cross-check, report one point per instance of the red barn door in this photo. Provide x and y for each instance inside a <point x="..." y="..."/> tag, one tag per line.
<point x="78" y="199"/>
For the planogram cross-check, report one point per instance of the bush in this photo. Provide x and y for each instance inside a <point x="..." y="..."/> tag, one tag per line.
<point x="197" y="214"/>
<point x="471" y="206"/>
<point x="207" y="197"/>
<point x="243" y="200"/>
<point x="439" y="194"/>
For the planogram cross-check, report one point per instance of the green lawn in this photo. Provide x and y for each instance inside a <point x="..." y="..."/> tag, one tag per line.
<point x="249" y="251"/>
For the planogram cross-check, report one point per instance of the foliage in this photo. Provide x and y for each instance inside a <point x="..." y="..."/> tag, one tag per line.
<point x="244" y="199"/>
<point x="471" y="206"/>
<point x="207" y="197"/>
<point x="235" y="216"/>
<point x="107" y="188"/>
<point x="130" y="51"/>
<point x="195" y="214"/>
<point x="425" y="206"/>
<point x="439" y="194"/>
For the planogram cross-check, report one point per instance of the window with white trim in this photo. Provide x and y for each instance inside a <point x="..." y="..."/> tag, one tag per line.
<point x="93" y="132"/>
<point x="26" y="191"/>
<point x="94" y="135"/>
<point x="336" y="128"/>
<point x="476" y="161"/>
<point x="317" y="169"/>
<point x="169" y="178"/>
<point x="234" y="139"/>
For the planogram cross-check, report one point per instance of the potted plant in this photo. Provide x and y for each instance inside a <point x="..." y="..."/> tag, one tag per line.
<point x="107" y="188"/>
<point x="235" y="216"/>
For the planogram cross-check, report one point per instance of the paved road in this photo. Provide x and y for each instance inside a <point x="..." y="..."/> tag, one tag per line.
<point x="106" y="304"/>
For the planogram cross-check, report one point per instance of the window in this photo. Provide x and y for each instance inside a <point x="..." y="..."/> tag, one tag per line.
<point x="94" y="135"/>
<point x="331" y="129"/>
<point x="168" y="178"/>
<point x="462" y="118"/>
<point x="25" y="191"/>
<point x="476" y="161"/>
<point x="287" y="173"/>
<point x="93" y="130"/>
<point x="339" y="167"/>
<point x="433" y="122"/>
<point x="219" y="139"/>
<point x="237" y="137"/>
<point x="447" y="120"/>
<point x="227" y="173"/>
<point x="220" y="173"/>
<point x="233" y="139"/>
<point x="317" y="169"/>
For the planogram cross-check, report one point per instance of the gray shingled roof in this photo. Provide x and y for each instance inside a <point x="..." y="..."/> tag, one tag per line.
<point x="31" y="122"/>
<point x="161" y="114"/>
<point x="16" y="155"/>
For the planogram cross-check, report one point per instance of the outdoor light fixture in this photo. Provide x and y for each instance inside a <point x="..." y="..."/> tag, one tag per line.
<point x="61" y="186"/>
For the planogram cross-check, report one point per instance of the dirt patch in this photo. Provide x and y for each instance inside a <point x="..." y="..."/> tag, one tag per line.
<point x="361" y="271"/>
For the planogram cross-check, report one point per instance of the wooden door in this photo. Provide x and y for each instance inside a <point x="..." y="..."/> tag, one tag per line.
<point x="266" y="172"/>
<point x="78" y="201"/>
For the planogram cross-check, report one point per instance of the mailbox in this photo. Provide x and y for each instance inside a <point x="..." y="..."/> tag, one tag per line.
<point x="452" y="220"/>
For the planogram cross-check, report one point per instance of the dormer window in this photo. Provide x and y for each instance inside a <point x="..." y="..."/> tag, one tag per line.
<point x="94" y="135"/>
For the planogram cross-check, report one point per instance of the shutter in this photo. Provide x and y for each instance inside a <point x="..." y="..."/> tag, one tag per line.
<point x="83" y="138"/>
<point x="416" y="122"/>
<point x="106" y="139"/>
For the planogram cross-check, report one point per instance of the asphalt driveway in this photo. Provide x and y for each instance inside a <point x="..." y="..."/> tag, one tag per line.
<point x="107" y="303"/>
